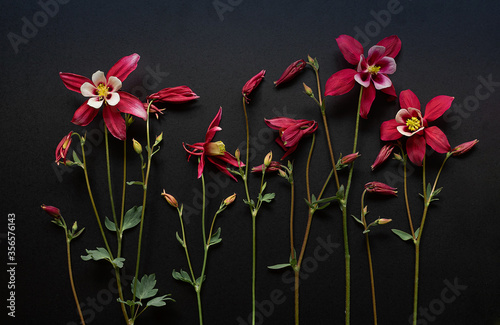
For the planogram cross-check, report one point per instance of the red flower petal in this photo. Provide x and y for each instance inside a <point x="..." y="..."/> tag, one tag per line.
<point x="391" y="92"/>
<point x="214" y="126"/>
<point x="389" y="131"/>
<point x="280" y="122"/>
<point x="366" y="100"/>
<point x="132" y="105"/>
<point x="74" y="81"/>
<point x="115" y="122"/>
<point x="84" y="115"/>
<point x="415" y="146"/>
<point x="408" y="99"/>
<point x="340" y="82"/>
<point x="350" y="48"/>
<point x="124" y="67"/>
<point x="436" y="107"/>
<point x="436" y="139"/>
<point x="392" y="45"/>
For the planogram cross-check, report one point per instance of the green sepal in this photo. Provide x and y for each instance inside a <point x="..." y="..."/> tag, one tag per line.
<point x="159" y="301"/>
<point x="215" y="238"/>
<point x="182" y="276"/>
<point x="403" y="235"/>
<point x="145" y="288"/>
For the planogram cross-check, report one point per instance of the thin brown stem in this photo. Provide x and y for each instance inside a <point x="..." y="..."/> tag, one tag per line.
<point x="70" y="271"/>
<point x="372" y="279"/>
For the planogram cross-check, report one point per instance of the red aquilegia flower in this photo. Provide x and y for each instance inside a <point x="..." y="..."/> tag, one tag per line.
<point x="251" y="84"/>
<point x="104" y="91"/>
<point x="291" y="131"/>
<point x="178" y="95"/>
<point x="410" y="123"/>
<point x="63" y="148"/>
<point x="215" y="152"/>
<point x="371" y="72"/>
<point x="291" y="72"/>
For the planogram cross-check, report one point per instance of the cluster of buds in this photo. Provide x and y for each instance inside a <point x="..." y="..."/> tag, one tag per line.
<point x="55" y="213"/>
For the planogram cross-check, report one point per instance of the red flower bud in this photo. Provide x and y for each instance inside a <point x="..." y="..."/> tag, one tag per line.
<point x="230" y="199"/>
<point x="170" y="199"/>
<point x="180" y="94"/>
<point x="52" y="211"/>
<point x="63" y="148"/>
<point x="272" y="167"/>
<point x="252" y="84"/>
<point x="349" y="158"/>
<point x="378" y="187"/>
<point x="382" y="156"/>
<point x="291" y="72"/>
<point x="463" y="148"/>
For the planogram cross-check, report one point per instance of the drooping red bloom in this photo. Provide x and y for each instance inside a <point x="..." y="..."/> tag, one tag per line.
<point x="382" y="156"/>
<point x="178" y="95"/>
<point x="51" y="211"/>
<point x="378" y="187"/>
<point x="410" y="123"/>
<point x="63" y="148"/>
<point x="291" y="72"/>
<point x="463" y="148"/>
<point x="273" y="166"/>
<point x="214" y="152"/>
<point x="371" y="72"/>
<point x="104" y="91"/>
<point x="252" y="84"/>
<point x="347" y="159"/>
<point x="291" y="131"/>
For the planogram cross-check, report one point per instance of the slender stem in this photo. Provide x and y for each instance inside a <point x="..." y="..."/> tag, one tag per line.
<point x="108" y="167"/>
<point x="424" y="190"/>
<point x="253" y="266"/>
<point x="292" y="204"/>
<point x="415" y="285"/>
<point x="296" y="291"/>
<point x="203" y="210"/>
<point x="124" y="186"/>
<point x="185" y="244"/>
<point x="405" y="180"/>
<point x="70" y="271"/>
<point x="370" y="264"/>
<point x="308" y="165"/>
<point x="198" y="299"/>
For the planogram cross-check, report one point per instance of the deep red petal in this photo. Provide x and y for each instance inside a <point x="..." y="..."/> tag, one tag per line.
<point x="436" y="139"/>
<point x="124" y="67"/>
<point x="392" y="45"/>
<point x="367" y="99"/>
<point x="408" y="99"/>
<point x="436" y="107"/>
<point x="389" y="131"/>
<point x="214" y="126"/>
<point x="350" y="48"/>
<point x="415" y="146"/>
<point x="84" y="115"/>
<point x="391" y="92"/>
<point x="220" y="164"/>
<point x="74" y="81"/>
<point x="280" y="122"/>
<point x="340" y="82"/>
<point x="201" y="165"/>
<point x="115" y="122"/>
<point x="132" y="105"/>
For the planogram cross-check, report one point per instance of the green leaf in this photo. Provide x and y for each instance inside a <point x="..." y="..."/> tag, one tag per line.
<point x="417" y="232"/>
<point x="145" y="288"/>
<point x="76" y="159"/>
<point x="215" y="238"/>
<point x="403" y="235"/>
<point x="263" y="187"/>
<point x="96" y="254"/>
<point x="251" y="203"/>
<point x="366" y="231"/>
<point x="179" y="239"/>
<point x="279" y="266"/>
<point x="129" y="302"/>
<point x="135" y="183"/>
<point x="182" y="276"/>
<point x="340" y="193"/>
<point x="361" y="222"/>
<point x="109" y="224"/>
<point x="200" y="280"/>
<point x="132" y="217"/>
<point x="159" y="301"/>
<point x="118" y="262"/>
<point x="268" y="197"/>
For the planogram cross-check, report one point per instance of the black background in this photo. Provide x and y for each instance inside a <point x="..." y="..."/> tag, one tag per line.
<point x="448" y="47"/>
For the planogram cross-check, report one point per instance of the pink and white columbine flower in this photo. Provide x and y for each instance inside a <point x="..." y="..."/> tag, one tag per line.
<point x="371" y="72"/>
<point x="214" y="152"/>
<point x="410" y="123"/>
<point x="291" y="131"/>
<point x="104" y="91"/>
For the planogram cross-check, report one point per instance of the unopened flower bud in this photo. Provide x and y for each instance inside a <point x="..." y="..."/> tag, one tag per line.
<point x="170" y="199"/>
<point x="52" y="211"/>
<point x="268" y="159"/>
<point x="346" y="160"/>
<point x="382" y="156"/>
<point x="291" y="72"/>
<point x="159" y="138"/>
<point x="463" y="148"/>
<point x="230" y="199"/>
<point x="378" y="187"/>
<point x="137" y="146"/>
<point x="75" y="227"/>
<point x="307" y="90"/>
<point x="237" y="154"/>
<point x="383" y="221"/>
<point x="310" y="59"/>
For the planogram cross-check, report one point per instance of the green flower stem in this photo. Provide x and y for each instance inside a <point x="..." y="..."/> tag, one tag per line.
<point x="124" y="186"/>
<point x="117" y="275"/>
<point x="427" y="202"/>
<point x="70" y="271"/>
<point x="370" y="264"/>
<point x="110" y="187"/>
<point x="144" y="196"/>
<point x="405" y="181"/>
<point x="197" y="286"/>
<point x="292" y="204"/>
<point x="254" y="217"/>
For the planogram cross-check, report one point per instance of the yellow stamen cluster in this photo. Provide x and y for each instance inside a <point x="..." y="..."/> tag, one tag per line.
<point x="374" y="69"/>
<point x="215" y="148"/>
<point x="102" y="90"/>
<point x="413" y="124"/>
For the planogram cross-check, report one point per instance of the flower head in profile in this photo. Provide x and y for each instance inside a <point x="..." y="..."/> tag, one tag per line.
<point x="382" y="156"/>
<point x="371" y="71"/>
<point x="463" y="148"/>
<point x="291" y="131"/>
<point x="291" y="72"/>
<point x="104" y="91"/>
<point x="63" y="148"/>
<point x="378" y="187"/>
<point x="252" y="84"/>
<point x="51" y="211"/>
<point x="214" y="152"/>
<point x="410" y="123"/>
<point x="177" y="95"/>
